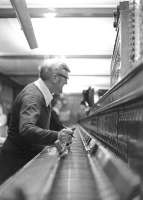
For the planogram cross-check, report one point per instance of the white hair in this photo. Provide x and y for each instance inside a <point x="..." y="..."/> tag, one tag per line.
<point x="53" y="66"/>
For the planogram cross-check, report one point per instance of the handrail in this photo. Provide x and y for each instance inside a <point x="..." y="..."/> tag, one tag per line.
<point x="35" y="179"/>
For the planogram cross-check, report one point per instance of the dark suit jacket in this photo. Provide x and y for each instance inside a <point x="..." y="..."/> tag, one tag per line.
<point x="55" y="123"/>
<point x="29" y="124"/>
<point x="28" y="130"/>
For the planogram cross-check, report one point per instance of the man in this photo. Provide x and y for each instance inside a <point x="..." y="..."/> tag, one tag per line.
<point x="83" y="110"/>
<point x="55" y="123"/>
<point x="28" y="131"/>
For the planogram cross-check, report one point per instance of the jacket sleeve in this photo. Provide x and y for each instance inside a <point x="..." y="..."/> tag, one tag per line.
<point x="29" y="116"/>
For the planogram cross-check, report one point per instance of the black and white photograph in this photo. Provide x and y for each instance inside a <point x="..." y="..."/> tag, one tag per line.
<point x="71" y="99"/>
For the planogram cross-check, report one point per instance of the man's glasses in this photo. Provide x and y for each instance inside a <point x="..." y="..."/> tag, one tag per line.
<point x="63" y="76"/>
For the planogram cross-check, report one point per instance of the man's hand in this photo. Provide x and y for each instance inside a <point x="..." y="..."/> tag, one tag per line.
<point x="64" y="141"/>
<point x="65" y="136"/>
<point x="69" y="131"/>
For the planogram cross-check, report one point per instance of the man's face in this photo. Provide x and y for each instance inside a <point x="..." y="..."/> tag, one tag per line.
<point x="61" y="81"/>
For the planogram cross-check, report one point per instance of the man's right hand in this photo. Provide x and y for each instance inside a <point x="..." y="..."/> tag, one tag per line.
<point x="65" y="136"/>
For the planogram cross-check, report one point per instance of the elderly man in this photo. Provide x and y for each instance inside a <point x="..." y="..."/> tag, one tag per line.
<point x="28" y="131"/>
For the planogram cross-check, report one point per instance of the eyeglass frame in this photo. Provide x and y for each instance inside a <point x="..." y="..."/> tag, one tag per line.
<point x="63" y="76"/>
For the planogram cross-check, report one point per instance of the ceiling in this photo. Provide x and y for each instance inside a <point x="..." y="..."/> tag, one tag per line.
<point x="79" y="30"/>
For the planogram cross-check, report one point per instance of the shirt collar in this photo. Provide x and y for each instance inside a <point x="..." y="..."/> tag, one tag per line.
<point x="44" y="90"/>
